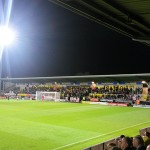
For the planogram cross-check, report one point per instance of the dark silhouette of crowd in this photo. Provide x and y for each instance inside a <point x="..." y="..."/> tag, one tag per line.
<point x="137" y="142"/>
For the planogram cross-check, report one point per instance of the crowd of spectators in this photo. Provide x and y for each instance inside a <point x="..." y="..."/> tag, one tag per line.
<point x="87" y="92"/>
<point x="137" y="142"/>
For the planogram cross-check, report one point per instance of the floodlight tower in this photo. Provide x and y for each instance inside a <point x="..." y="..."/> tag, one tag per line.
<point x="6" y="34"/>
<point x="6" y="38"/>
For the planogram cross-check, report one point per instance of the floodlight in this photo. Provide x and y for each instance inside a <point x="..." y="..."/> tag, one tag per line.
<point x="7" y="36"/>
<point x="143" y="82"/>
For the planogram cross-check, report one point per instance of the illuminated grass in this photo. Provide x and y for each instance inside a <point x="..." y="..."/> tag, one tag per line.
<point x="36" y="125"/>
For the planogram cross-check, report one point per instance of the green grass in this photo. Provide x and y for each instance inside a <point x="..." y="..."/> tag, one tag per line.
<point x="36" y="125"/>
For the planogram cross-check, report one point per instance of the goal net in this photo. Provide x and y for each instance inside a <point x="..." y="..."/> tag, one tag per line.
<point x="52" y="96"/>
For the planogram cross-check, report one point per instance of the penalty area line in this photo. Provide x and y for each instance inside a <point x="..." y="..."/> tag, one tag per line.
<point x="98" y="136"/>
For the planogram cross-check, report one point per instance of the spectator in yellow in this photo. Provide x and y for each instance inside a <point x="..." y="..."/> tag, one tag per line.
<point x="146" y="138"/>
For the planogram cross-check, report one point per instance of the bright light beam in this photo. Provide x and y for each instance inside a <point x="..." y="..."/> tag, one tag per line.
<point x="7" y="36"/>
<point x="7" y="8"/>
<point x="5" y="11"/>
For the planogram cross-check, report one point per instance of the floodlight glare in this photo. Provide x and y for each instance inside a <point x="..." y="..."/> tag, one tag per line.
<point x="143" y="82"/>
<point x="7" y="36"/>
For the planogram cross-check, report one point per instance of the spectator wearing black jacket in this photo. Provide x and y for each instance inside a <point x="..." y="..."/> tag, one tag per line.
<point x="138" y="143"/>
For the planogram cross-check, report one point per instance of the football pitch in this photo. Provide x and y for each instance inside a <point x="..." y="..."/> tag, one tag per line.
<point x="36" y="125"/>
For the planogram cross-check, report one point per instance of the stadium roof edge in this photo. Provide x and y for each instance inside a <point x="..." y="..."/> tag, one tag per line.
<point x="86" y="78"/>
<point x="130" y="18"/>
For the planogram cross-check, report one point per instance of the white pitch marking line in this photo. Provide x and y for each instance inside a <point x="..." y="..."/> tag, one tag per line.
<point x="98" y="136"/>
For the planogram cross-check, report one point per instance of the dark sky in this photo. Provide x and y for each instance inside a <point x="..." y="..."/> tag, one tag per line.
<point x="52" y="41"/>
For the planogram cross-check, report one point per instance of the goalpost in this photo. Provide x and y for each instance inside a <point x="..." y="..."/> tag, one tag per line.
<point x="50" y="96"/>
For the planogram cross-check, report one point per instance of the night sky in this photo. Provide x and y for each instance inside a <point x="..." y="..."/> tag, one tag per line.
<point x="52" y="41"/>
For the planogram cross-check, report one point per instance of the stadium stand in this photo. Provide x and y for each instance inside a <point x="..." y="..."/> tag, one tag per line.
<point x="111" y="92"/>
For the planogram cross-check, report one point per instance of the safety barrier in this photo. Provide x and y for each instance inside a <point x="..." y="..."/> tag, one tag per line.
<point x="101" y="146"/>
